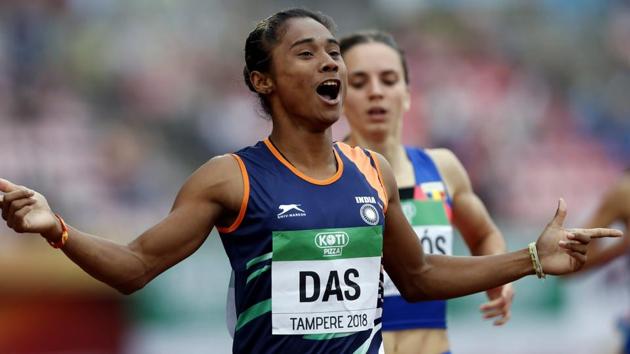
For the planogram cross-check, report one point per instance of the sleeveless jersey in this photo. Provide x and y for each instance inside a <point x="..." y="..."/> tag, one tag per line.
<point x="306" y="255"/>
<point x="427" y="207"/>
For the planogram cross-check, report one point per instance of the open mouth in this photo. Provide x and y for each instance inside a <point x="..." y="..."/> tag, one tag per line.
<point x="329" y="89"/>
<point x="377" y="111"/>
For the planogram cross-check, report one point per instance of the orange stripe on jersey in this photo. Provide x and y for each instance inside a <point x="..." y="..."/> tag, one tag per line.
<point x="243" y="209"/>
<point x="319" y="182"/>
<point x="372" y="174"/>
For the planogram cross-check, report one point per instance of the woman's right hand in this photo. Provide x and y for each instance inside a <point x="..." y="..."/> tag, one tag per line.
<point x="27" y="211"/>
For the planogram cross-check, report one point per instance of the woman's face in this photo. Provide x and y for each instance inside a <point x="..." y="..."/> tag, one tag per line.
<point x="378" y="95"/>
<point x="308" y="73"/>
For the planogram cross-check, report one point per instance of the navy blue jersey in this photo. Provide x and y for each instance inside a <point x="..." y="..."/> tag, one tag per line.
<point x="427" y="207"/>
<point x="306" y="255"/>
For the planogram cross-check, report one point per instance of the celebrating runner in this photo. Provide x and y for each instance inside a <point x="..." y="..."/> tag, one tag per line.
<point x="305" y="223"/>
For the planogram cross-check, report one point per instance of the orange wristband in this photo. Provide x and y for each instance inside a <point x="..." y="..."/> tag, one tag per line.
<point x="64" y="234"/>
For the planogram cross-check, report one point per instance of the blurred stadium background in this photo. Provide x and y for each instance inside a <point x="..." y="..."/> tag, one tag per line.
<point x="106" y="106"/>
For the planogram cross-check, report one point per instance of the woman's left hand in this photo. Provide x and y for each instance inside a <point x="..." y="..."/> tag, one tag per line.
<point x="563" y="251"/>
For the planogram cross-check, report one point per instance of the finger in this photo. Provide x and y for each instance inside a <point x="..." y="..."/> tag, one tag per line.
<point x="16" y="206"/>
<point x="6" y="186"/>
<point x="20" y="203"/>
<point x="596" y="233"/>
<point x="503" y="320"/>
<point x="19" y="220"/>
<point x="491" y="305"/>
<point x="573" y="246"/>
<point x="507" y="291"/>
<point x="17" y="194"/>
<point x="577" y="237"/>
<point x="561" y="213"/>
<point x="11" y="221"/>
<point x="494" y="311"/>
<point x="492" y="314"/>
<point x="580" y="257"/>
<point x="12" y="196"/>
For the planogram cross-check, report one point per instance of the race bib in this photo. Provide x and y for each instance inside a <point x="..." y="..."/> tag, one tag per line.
<point x="430" y="222"/>
<point x="326" y="280"/>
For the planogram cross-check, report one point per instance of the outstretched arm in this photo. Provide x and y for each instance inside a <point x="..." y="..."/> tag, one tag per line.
<point x="424" y="277"/>
<point x="211" y="195"/>
<point x="471" y="218"/>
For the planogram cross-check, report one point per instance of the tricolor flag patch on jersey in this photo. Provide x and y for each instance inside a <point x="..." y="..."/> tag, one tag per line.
<point x="434" y="190"/>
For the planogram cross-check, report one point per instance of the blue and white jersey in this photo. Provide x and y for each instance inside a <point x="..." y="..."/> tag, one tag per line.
<point x="427" y="207"/>
<point x="306" y="255"/>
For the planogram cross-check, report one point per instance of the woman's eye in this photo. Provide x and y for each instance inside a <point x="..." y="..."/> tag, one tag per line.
<point x="334" y="54"/>
<point x="305" y="54"/>
<point x="357" y="84"/>
<point x="389" y="80"/>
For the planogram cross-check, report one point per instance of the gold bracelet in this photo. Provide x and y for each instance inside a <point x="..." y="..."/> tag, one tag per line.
<point x="533" y="253"/>
<point x="64" y="234"/>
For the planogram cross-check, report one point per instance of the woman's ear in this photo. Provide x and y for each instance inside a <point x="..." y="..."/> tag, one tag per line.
<point x="262" y="82"/>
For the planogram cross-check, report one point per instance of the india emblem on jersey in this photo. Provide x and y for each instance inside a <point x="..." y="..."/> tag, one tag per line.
<point x="434" y="190"/>
<point x="369" y="214"/>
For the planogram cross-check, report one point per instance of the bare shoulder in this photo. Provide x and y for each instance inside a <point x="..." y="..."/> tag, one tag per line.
<point x="219" y="180"/>
<point x="451" y="169"/>
<point x="445" y="159"/>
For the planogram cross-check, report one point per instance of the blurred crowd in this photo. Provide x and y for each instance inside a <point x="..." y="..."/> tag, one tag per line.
<point x="523" y="96"/>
